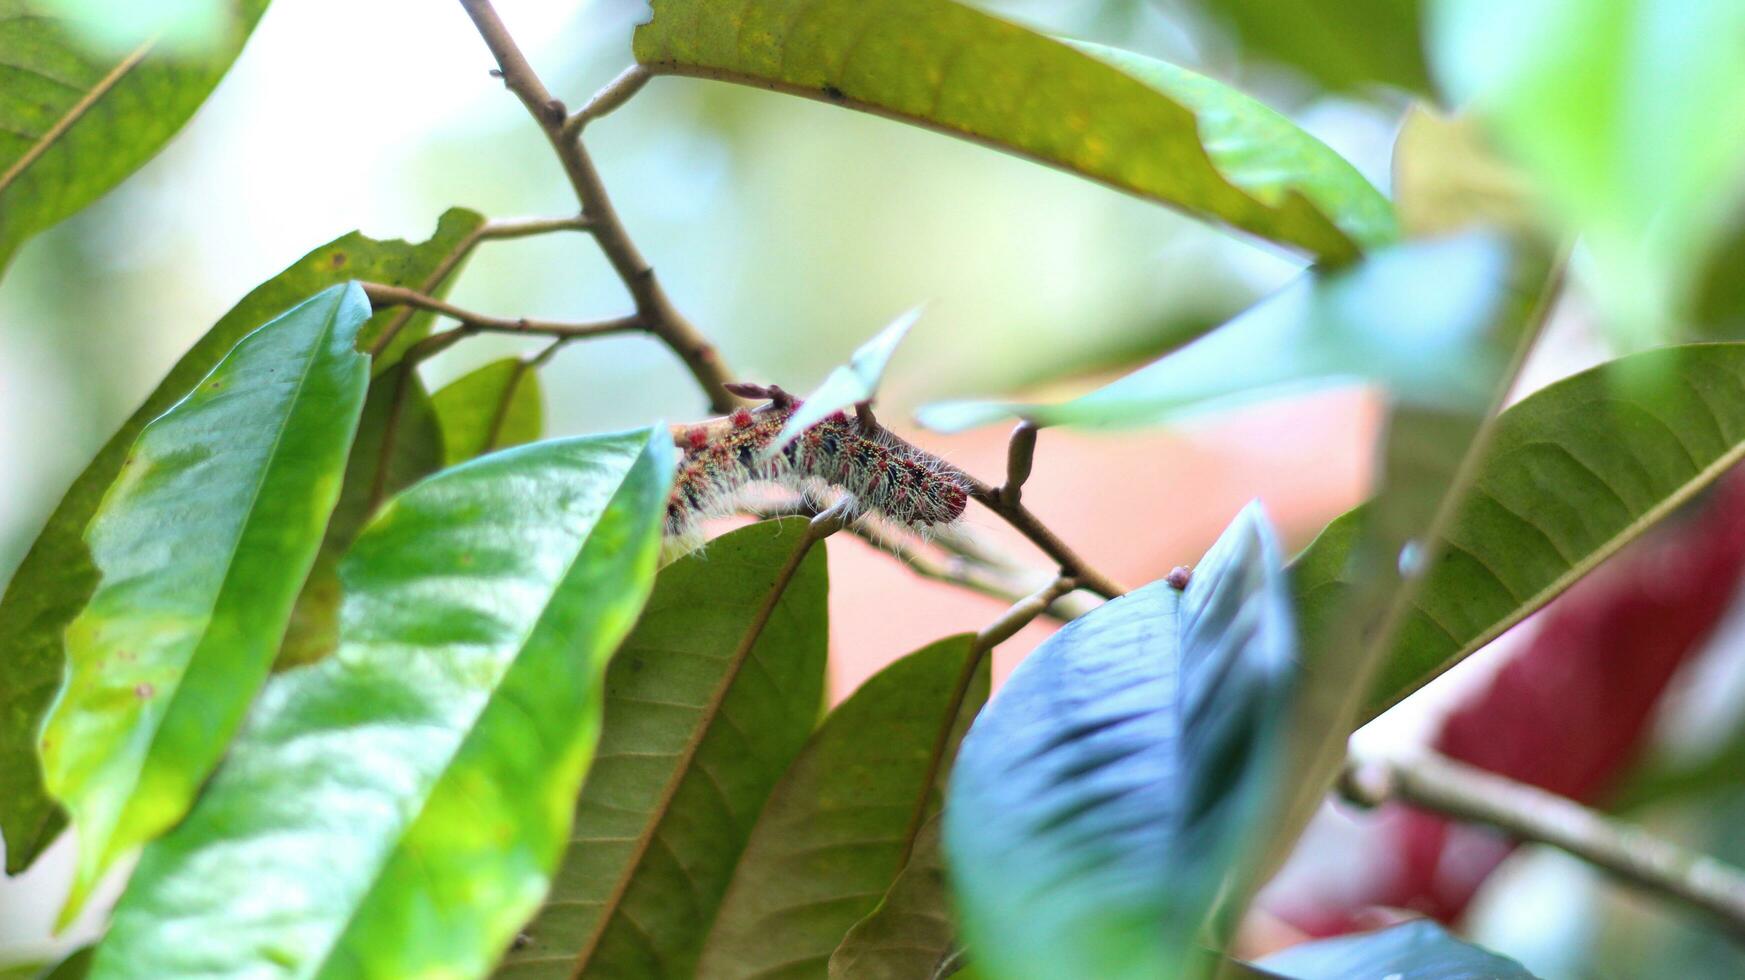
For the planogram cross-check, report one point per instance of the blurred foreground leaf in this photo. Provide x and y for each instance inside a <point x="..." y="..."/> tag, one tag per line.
<point x="1413" y="317"/>
<point x="1417" y="950"/>
<point x="845" y="819"/>
<point x="56" y="577"/>
<point x="1629" y="114"/>
<point x="494" y="407"/>
<point x="201" y="547"/>
<point x="1100" y="801"/>
<point x="74" y="121"/>
<point x="397" y="809"/>
<point x="1343" y="44"/>
<point x="1141" y="126"/>
<point x="706" y="704"/>
<point x="854" y="382"/>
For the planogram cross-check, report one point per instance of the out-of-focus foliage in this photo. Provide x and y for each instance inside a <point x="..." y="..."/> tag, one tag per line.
<point x="1629" y="115"/>
<point x="494" y="407"/>
<point x="1415" y="318"/>
<point x="1342" y="44"/>
<point x="75" y="121"/>
<point x="1133" y="123"/>
<point x="1411" y="951"/>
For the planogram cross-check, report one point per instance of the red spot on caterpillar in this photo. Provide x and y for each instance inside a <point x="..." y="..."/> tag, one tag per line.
<point x="697" y="437"/>
<point x="742" y="419"/>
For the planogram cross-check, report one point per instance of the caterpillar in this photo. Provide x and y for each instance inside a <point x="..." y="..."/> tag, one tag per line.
<point x="880" y="473"/>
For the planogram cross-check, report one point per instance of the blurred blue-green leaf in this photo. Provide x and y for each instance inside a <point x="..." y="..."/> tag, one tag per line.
<point x="1629" y="114"/>
<point x="1136" y="124"/>
<point x="1100" y="800"/>
<point x="493" y="407"/>
<point x="707" y="703"/>
<point x="397" y="809"/>
<point x="1413" y="317"/>
<point x="56" y="577"/>
<point x="847" y="815"/>
<point x="854" y="382"/>
<point x="1417" y="950"/>
<point x="201" y="547"/>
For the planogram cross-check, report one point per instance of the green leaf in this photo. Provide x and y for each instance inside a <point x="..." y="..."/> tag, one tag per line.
<point x="1414" y="317"/>
<point x="1571" y="474"/>
<point x="1628" y="115"/>
<point x="1343" y="44"/>
<point x="856" y="381"/>
<point x="1099" y="802"/>
<point x="373" y="473"/>
<point x="494" y="407"/>
<point x="842" y="823"/>
<point x="201" y="547"/>
<point x="56" y="577"/>
<point x="396" y="809"/>
<point x="74" y="123"/>
<point x="706" y="704"/>
<point x="1417" y="950"/>
<point x="1140" y="126"/>
<point x="910" y="933"/>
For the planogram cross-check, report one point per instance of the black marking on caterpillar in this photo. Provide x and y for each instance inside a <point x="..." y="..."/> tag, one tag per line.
<point x="880" y="474"/>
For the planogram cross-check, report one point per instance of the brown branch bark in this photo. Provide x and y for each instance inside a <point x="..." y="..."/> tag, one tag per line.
<point x="656" y="311"/>
<point x="1434" y="782"/>
<point x="470" y="322"/>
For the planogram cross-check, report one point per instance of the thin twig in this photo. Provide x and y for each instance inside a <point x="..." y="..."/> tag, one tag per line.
<point x="655" y="310"/>
<point x="381" y="295"/>
<point x="527" y="227"/>
<point x="1023" y="612"/>
<point x="617" y="92"/>
<point x="1435" y="782"/>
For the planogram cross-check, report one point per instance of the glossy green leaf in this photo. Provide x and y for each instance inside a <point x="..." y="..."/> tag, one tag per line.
<point x="494" y="407"/>
<point x="56" y="577"/>
<point x="841" y="824"/>
<point x="201" y="547"/>
<point x="1413" y="317"/>
<point x="373" y="473"/>
<point x="1417" y="950"/>
<point x="396" y="809"/>
<point x="1100" y="801"/>
<point x="706" y="705"/>
<point x="1343" y="44"/>
<point x="910" y="932"/>
<point x="75" y="122"/>
<point x="1571" y="474"/>
<point x="1630" y="116"/>
<point x="1144" y="127"/>
<point x="856" y="381"/>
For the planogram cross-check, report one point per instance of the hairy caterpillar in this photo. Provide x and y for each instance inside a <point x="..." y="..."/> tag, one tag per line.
<point x="879" y="472"/>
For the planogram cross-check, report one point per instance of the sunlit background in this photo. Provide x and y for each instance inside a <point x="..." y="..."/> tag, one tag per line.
<point x="787" y="230"/>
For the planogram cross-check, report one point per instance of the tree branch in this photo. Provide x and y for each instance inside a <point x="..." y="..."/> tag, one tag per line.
<point x="470" y="322"/>
<point x="1020" y="454"/>
<point x="656" y="311"/>
<point x="617" y="92"/>
<point x="1022" y="612"/>
<point x="527" y="227"/>
<point x="1434" y="782"/>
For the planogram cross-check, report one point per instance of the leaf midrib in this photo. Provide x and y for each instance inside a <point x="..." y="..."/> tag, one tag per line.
<point x="610" y="908"/>
<point x="77" y="111"/>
